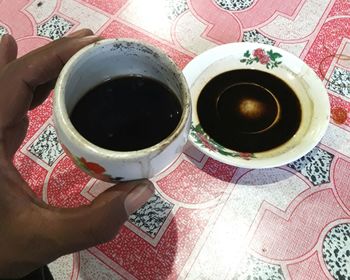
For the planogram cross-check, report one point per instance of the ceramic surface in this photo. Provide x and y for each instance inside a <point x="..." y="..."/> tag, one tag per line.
<point x="301" y="78"/>
<point x="100" y="62"/>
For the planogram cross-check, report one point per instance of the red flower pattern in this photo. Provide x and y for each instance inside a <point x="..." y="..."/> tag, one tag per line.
<point x="259" y="53"/>
<point x="264" y="59"/>
<point x="262" y="56"/>
<point x="93" y="167"/>
<point x="268" y="58"/>
<point x="206" y="142"/>
<point x="246" y="156"/>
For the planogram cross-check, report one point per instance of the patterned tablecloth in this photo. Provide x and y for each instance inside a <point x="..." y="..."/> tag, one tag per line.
<point x="207" y="220"/>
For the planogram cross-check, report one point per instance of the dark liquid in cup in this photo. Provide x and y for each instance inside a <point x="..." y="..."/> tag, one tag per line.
<point x="127" y="113"/>
<point x="249" y="110"/>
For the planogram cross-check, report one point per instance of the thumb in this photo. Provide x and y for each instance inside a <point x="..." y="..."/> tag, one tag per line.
<point x="84" y="227"/>
<point x="8" y="49"/>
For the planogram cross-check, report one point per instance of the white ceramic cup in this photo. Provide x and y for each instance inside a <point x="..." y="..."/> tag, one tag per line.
<point x="102" y="61"/>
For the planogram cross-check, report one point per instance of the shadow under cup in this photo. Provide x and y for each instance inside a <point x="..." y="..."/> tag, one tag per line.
<point x="96" y="64"/>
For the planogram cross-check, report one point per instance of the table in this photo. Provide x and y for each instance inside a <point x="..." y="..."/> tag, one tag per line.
<point x="207" y="220"/>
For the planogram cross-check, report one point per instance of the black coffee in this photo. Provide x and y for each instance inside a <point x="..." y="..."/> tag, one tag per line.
<point x="249" y="110"/>
<point x="127" y="114"/>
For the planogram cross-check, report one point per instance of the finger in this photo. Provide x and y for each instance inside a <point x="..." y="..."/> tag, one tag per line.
<point x="77" y="34"/>
<point x="14" y="136"/>
<point x="15" y="191"/>
<point x="45" y="64"/>
<point x="8" y="49"/>
<point x="77" y="229"/>
<point x="20" y="79"/>
<point x="81" y="33"/>
<point x="41" y="93"/>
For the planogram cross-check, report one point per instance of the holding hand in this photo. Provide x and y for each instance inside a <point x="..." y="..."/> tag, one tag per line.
<point x="32" y="233"/>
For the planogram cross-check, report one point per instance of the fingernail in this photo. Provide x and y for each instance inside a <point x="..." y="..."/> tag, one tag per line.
<point x="138" y="196"/>
<point x="90" y="38"/>
<point x="3" y="37"/>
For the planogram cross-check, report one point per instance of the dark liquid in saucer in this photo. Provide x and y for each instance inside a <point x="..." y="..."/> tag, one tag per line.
<point x="249" y="110"/>
<point x="127" y="113"/>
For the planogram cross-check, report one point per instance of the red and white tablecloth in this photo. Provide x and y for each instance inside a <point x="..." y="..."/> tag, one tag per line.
<point x="207" y="220"/>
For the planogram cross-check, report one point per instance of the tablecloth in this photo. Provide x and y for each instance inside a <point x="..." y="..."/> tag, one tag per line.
<point x="207" y="220"/>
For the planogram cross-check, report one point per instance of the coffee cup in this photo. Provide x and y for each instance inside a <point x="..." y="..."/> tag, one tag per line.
<point x="111" y="60"/>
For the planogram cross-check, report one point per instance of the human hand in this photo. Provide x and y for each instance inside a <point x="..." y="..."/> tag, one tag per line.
<point x="32" y="233"/>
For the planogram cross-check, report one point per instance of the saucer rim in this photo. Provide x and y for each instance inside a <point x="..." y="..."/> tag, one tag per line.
<point x="195" y="68"/>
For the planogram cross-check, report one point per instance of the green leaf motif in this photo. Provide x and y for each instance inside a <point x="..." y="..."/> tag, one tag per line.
<point x="273" y="55"/>
<point x="224" y="153"/>
<point x="254" y="57"/>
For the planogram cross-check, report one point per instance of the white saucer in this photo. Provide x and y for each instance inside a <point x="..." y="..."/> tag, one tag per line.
<point x="284" y="65"/>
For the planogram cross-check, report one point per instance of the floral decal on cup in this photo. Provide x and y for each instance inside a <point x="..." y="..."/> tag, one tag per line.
<point x="202" y="139"/>
<point x="268" y="58"/>
<point x="91" y="168"/>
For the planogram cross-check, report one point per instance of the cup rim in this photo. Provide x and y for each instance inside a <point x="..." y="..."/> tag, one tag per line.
<point x="61" y="115"/>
